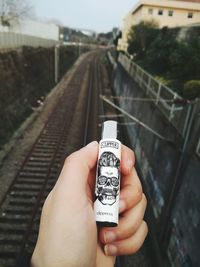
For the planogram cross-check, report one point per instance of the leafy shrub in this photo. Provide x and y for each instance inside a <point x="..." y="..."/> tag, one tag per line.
<point x="191" y="89"/>
<point x="163" y="80"/>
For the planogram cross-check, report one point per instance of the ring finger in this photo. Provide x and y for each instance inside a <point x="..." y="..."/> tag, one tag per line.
<point x="129" y="223"/>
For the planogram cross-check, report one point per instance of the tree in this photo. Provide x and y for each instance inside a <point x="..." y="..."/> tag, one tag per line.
<point x="140" y="37"/>
<point x="185" y="60"/>
<point x="158" y="56"/>
<point x="12" y="10"/>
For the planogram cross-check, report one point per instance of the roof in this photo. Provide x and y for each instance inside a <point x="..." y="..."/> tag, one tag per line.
<point x="194" y="1"/>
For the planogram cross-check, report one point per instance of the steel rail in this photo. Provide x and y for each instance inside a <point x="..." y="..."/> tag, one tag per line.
<point x="40" y="149"/>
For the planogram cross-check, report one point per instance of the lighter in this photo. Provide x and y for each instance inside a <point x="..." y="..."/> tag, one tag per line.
<point x="107" y="188"/>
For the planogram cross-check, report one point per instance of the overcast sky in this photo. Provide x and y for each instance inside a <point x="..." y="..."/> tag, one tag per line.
<point x="98" y="15"/>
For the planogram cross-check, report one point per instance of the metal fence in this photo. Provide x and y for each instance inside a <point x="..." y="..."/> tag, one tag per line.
<point x="170" y="103"/>
<point x="13" y="40"/>
<point x="169" y="171"/>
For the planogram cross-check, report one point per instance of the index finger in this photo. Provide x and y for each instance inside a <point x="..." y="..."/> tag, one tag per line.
<point x="127" y="160"/>
<point x="131" y="188"/>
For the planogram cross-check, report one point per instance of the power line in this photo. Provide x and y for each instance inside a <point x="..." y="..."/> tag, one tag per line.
<point x="133" y="118"/>
<point x="143" y="99"/>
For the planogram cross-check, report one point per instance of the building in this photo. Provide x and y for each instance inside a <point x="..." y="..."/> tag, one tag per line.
<point x="33" y="28"/>
<point x="36" y="28"/>
<point x="170" y="13"/>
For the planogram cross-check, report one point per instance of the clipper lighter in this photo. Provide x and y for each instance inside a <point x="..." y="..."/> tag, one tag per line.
<point x="106" y="205"/>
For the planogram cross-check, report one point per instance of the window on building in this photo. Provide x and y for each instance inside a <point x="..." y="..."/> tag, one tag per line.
<point x="150" y="11"/>
<point x="190" y="15"/>
<point x="160" y="12"/>
<point x="170" y="13"/>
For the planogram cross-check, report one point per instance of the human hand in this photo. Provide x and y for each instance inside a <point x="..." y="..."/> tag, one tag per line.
<point x="68" y="232"/>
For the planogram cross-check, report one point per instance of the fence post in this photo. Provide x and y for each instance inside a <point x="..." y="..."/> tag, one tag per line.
<point x="187" y="120"/>
<point x="171" y="115"/>
<point x="141" y="77"/>
<point x="148" y="85"/>
<point x="158" y="94"/>
<point x="56" y="63"/>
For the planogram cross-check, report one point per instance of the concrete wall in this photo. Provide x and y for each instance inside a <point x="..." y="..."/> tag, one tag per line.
<point x="30" y="33"/>
<point x="157" y="162"/>
<point x="156" y="157"/>
<point x="13" y="40"/>
<point x="169" y="103"/>
<point x="37" y="29"/>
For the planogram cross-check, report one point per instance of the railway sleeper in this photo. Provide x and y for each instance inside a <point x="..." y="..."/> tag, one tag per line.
<point x="19" y="186"/>
<point x="11" y="239"/>
<point x="42" y="161"/>
<point x="39" y="170"/>
<point x="30" y="174"/>
<point x="7" y="226"/>
<point x="21" y="202"/>
<point x="24" y="194"/>
<point x="17" y="210"/>
<point x="9" y="251"/>
<point x="29" y="181"/>
<point x="41" y="156"/>
<point x="46" y="148"/>
<point x="16" y="218"/>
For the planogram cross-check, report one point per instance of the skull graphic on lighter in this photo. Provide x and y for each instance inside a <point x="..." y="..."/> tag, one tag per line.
<point x="108" y="185"/>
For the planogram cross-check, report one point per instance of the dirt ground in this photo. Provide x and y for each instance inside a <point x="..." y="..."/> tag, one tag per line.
<point x="14" y="152"/>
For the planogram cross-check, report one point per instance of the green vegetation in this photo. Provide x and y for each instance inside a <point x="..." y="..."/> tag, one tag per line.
<point x="191" y="89"/>
<point x="165" y="53"/>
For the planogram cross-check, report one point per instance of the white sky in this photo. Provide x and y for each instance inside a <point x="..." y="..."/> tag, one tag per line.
<point x="98" y="15"/>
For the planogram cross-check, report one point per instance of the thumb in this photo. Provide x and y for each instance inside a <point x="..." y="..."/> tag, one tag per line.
<point x="78" y="165"/>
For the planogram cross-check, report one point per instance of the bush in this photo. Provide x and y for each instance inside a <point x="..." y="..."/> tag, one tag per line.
<point x="163" y="80"/>
<point x="191" y="89"/>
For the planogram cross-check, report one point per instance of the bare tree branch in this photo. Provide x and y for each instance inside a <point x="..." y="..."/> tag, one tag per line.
<point x="14" y="10"/>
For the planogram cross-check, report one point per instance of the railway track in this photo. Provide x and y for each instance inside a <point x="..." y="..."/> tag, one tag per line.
<point x="22" y="204"/>
<point x="73" y="123"/>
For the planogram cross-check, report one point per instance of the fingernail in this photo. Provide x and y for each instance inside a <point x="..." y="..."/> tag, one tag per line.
<point x="122" y="206"/>
<point x="110" y="250"/>
<point x="109" y="237"/>
<point x="92" y="144"/>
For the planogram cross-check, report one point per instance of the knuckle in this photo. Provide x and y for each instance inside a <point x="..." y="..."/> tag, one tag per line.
<point x="132" y="154"/>
<point x="147" y="229"/>
<point x="145" y="225"/>
<point x="144" y="199"/>
<point x="139" y="192"/>
<point x="135" y="228"/>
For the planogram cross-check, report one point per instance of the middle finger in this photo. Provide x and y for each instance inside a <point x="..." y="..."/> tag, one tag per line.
<point x="128" y="224"/>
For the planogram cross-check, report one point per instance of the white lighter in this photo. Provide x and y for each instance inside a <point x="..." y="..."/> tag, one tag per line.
<point x="107" y="188"/>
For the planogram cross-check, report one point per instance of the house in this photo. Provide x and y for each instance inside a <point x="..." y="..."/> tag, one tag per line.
<point x="170" y="13"/>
